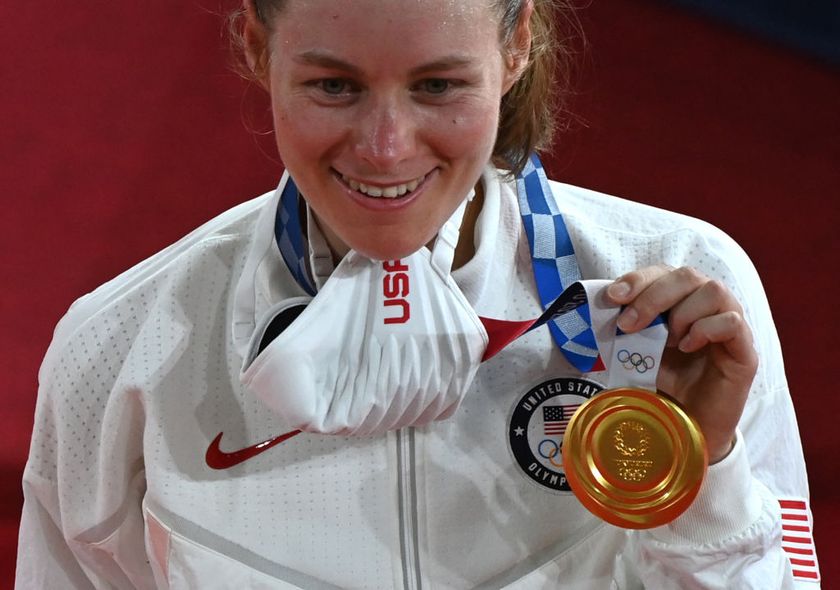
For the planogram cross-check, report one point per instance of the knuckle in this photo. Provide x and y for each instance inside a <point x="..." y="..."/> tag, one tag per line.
<point x="733" y="319"/>
<point x="716" y="289"/>
<point x="657" y="271"/>
<point x="691" y="275"/>
<point x="737" y="324"/>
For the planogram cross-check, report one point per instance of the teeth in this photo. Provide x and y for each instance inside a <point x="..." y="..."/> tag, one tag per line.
<point x="373" y="191"/>
<point x="388" y="192"/>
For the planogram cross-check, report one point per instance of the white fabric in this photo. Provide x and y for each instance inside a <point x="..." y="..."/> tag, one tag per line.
<point x="144" y="373"/>
<point x="382" y="346"/>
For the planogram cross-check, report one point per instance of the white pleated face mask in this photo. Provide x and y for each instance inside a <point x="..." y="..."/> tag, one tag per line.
<point x="383" y="345"/>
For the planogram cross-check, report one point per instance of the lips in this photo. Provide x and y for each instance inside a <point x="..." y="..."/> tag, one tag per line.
<point x="377" y="191"/>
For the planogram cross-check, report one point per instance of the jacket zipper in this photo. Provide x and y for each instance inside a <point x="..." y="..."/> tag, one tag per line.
<point x="407" y="490"/>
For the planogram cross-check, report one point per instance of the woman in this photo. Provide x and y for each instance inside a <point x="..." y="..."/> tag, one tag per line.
<point x="406" y="127"/>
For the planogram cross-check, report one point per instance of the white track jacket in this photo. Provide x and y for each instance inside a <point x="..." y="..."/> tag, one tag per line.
<point x="142" y="378"/>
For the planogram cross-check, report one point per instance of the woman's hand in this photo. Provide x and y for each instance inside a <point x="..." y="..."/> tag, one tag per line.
<point x="709" y="361"/>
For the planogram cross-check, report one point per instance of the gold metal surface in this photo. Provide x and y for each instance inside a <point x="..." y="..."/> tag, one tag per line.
<point x="634" y="458"/>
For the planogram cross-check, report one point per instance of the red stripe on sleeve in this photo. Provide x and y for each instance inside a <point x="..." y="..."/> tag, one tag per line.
<point x="802" y="562"/>
<point x="787" y="539"/>
<point x="788" y="516"/>
<point x="796" y="527"/>
<point x="798" y="551"/>
<point x="792" y="505"/>
<point x="805" y="574"/>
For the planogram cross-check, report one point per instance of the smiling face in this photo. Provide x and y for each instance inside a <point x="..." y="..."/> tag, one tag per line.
<point x="385" y="113"/>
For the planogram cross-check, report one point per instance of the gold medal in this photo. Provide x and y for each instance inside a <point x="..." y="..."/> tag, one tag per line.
<point x="634" y="458"/>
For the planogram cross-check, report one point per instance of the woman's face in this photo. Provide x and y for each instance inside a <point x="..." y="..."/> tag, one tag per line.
<point x="385" y="113"/>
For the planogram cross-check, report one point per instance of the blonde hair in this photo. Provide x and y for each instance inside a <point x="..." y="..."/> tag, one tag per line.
<point x="532" y="109"/>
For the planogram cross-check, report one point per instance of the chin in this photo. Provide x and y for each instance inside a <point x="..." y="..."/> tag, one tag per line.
<point x="391" y="248"/>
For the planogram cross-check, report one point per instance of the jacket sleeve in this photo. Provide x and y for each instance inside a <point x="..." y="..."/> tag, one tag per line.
<point x="734" y="535"/>
<point x="82" y="523"/>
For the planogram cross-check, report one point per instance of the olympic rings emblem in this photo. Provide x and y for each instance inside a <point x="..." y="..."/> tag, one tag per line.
<point x="553" y="451"/>
<point x="634" y="360"/>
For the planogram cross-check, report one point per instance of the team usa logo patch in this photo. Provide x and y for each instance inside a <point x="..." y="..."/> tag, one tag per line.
<point x="538" y="424"/>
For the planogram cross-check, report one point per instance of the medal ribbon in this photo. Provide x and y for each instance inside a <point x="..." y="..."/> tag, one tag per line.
<point x="555" y="266"/>
<point x="289" y="237"/>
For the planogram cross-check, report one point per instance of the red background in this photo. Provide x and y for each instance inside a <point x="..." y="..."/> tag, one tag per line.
<point x="122" y="130"/>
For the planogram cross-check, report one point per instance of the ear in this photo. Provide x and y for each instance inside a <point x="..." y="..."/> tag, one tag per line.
<point x="255" y="37"/>
<point x="519" y="49"/>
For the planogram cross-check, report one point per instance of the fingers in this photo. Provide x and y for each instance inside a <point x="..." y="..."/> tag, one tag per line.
<point x="626" y="287"/>
<point x="650" y="291"/>
<point x="728" y="329"/>
<point x="700" y="310"/>
<point x="711" y="299"/>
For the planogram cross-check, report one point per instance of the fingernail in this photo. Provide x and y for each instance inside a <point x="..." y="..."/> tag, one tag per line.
<point x="685" y="343"/>
<point x="627" y="319"/>
<point x="619" y="290"/>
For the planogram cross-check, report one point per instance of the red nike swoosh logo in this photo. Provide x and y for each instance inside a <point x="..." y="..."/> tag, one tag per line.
<point x="216" y="458"/>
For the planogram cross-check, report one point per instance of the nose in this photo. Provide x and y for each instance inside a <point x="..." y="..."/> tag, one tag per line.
<point x="386" y="135"/>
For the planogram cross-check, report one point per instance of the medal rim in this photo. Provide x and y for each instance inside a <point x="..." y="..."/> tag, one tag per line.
<point x="633" y="506"/>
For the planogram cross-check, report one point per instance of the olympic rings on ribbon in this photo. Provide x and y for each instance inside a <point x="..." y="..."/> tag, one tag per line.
<point x="554" y="451"/>
<point x="634" y="360"/>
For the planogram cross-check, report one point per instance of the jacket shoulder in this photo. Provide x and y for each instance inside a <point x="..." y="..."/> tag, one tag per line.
<point x="231" y="226"/>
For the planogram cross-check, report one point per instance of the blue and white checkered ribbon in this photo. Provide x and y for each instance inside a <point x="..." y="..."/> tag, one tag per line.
<point x="555" y="265"/>
<point x="289" y="236"/>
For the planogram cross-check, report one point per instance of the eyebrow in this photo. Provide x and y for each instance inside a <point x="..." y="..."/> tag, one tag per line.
<point x="325" y="60"/>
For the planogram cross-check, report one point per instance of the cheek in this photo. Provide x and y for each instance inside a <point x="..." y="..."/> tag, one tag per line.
<point x="472" y="130"/>
<point x="478" y="122"/>
<point x="302" y="133"/>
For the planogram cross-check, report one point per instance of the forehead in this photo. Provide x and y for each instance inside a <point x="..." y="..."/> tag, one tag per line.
<point x="376" y="21"/>
<point x="393" y="8"/>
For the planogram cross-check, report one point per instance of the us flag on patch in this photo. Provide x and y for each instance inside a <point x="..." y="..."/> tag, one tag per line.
<point x="798" y="540"/>
<point x="556" y="418"/>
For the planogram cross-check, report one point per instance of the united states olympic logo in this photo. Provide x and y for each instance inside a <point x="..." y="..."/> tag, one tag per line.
<point x="634" y="360"/>
<point x="538" y="424"/>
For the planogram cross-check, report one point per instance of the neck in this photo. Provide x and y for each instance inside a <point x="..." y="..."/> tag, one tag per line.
<point x="465" y="249"/>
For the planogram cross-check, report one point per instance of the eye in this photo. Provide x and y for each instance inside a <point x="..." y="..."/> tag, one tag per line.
<point x="334" y="86"/>
<point x="435" y="85"/>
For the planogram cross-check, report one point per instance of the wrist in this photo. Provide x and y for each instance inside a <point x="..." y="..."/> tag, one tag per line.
<point x="718" y="455"/>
